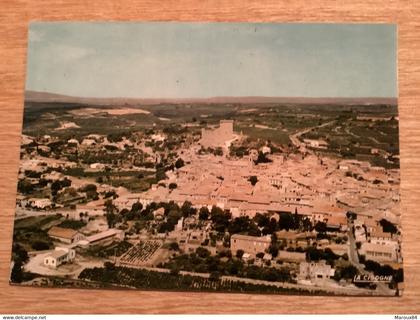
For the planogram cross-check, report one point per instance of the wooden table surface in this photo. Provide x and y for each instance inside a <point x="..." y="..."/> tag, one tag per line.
<point x="14" y="18"/>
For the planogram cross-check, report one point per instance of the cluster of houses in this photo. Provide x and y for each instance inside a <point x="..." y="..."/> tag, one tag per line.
<point x="309" y="272"/>
<point x="319" y="188"/>
<point x="375" y="244"/>
<point x="286" y="184"/>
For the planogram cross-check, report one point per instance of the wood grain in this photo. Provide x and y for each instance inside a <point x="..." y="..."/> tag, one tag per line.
<point x="14" y="18"/>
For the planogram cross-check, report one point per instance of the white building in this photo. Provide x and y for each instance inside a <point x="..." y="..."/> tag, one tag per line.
<point x="40" y="203"/>
<point x="266" y="149"/>
<point x="315" y="271"/>
<point x="74" y="141"/>
<point x="59" y="256"/>
<point x="321" y="144"/>
<point x="88" y="142"/>
<point x="379" y="252"/>
<point x="158" y="137"/>
<point x="97" y="166"/>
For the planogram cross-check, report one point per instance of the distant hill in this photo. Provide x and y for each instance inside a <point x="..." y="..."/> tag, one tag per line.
<point x="36" y="96"/>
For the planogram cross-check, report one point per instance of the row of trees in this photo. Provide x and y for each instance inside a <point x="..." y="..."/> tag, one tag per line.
<point x="140" y="278"/>
<point x="224" y="263"/>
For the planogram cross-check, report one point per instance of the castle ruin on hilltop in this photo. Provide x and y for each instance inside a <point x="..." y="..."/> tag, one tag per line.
<point x="217" y="137"/>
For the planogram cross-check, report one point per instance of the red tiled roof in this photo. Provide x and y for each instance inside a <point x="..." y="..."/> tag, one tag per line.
<point x="64" y="233"/>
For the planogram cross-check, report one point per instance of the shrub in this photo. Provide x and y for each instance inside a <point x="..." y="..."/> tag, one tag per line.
<point x="40" y="245"/>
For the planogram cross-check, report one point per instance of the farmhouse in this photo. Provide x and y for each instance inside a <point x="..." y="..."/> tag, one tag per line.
<point x="97" y="166"/>
<point x="249" y="244"/>
<point x="321" y="144"/>
<point x="315" y="271"/>
<point x="40" y="203"/>
<point x="105" y="237"/>
<point x="65" y="235"/>
<point x="379" y="252"/>
<point x="59" y="256"/>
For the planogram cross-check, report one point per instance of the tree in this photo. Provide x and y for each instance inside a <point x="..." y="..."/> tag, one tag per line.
<point x="136" y="207"/>
<point x="25" y="186"/>
<point x="187" y="209"/>
<point x="306" y="224"/>
<point x="55" y="187"/>
<point x="373" y="266"/>
<point x="253" y="180"/>
<point x="204" y="213"/>
<point x="124" y="212"/>
<point x="239" y="253"/>
<point x="40" y="245"/>
<point x="218" y="151"/>
<point x="286" y="221"/>
<point x="202" y="252"/>
<point x="89" y="187"/>
<point x="260" y="255"/>
<point x="388" y="226"/>
<point x="262" y="220"/>
<point x="239" y="225"/>
<point x="274" y="248"/>
<point x="173" y="216"/>
<point x="17" y="274"/>
<point x="92" y="195"/>
<point x="110" y="210"/>
<point x="19" y="253"/>
<point x="270" y="228"/>
<point x="313" y="254"/>
<point x="138" y="225"/>
<point x="172" y="186"/>
<point x="174" y="246"/>
<point x="321" y="227"/>
<point x="347" y="272"/>
<point x="219" y="218"/>
<point x="262" y="158"/>
<point x="253" y="230"/>
<point x="179" y="163"/>
<point x="110" y="194"/>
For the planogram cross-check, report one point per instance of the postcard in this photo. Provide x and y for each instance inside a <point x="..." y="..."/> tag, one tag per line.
<point x="214" y="157"/>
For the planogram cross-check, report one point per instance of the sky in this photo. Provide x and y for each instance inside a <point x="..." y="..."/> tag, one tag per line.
<point x="198" y="60"/>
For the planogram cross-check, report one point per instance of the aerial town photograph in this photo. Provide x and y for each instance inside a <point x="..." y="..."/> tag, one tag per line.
<point x="210" y="157"/>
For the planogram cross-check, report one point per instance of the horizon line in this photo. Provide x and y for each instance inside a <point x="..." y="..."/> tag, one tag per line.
<point x="208" y="97"/>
